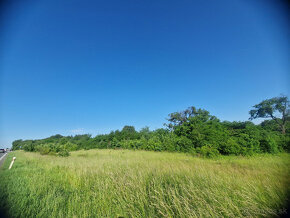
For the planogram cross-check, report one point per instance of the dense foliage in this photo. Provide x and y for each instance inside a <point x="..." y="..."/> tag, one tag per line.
<point x="193" y="131"/>
<point x="272" y="108"/>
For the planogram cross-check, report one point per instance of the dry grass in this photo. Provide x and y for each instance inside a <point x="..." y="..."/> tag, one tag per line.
<point x="114" y="183"/>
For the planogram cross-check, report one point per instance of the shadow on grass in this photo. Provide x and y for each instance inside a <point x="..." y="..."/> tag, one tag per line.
<point x="3" y="213"/>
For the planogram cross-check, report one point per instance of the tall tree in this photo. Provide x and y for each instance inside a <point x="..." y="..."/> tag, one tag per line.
<point x="275" y="108"/>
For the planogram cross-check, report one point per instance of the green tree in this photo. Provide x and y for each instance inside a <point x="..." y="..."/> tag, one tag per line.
<point x="129" y="132"/>
<point x="178" y="118"/>
<point x="16" y="145"/>
<point x="275" y="108"/>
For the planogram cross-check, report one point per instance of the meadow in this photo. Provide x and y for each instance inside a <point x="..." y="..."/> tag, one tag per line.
<point x="128" y="183"/>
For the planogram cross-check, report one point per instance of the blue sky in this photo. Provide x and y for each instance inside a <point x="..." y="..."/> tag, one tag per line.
<point x="74" y="67"/>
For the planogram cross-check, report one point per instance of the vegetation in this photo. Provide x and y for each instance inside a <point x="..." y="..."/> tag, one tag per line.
<point x="193" y="131"/>
<point x="126" y="183"/>
<point x="270" y="107"/>
<point x="58" y="177"/>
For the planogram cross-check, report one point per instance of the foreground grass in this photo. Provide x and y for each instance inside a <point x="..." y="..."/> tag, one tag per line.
<point x="122" y="183"/>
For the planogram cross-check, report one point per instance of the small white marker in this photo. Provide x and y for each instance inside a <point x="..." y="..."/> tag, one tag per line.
<point x="12" y="162"/>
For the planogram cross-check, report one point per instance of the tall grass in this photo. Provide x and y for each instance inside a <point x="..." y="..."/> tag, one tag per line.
<point x="123" y="183"/>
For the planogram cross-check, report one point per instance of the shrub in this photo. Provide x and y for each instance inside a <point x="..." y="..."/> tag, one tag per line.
<point x="44" y="150"/>
<point x="70" y="146"/>
<point x="207" y="151"/>
<point x="269" y="145"/>
<point x="169" y="142"/>
<point x="230" y="147"/>
<point x="64" y="153"/>
<point x="184" y="144"/>
<point x="248" y="145"/>
<point x="192" y="151"/>
<point x="155" y="144"/>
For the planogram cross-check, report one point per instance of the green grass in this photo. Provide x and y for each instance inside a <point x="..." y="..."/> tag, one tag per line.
<point x="113" y="183"/>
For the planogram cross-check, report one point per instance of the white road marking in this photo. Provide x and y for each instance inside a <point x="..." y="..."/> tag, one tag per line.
<point x="3" y="156"/>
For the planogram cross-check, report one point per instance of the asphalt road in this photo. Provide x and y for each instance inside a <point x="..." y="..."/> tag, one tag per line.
<point x="2" y="158"/>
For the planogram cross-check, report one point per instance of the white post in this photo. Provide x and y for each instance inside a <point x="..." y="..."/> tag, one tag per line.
<point x="12" y="162"/>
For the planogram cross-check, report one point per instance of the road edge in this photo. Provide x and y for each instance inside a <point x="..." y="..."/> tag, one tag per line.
<point x="2" y="159"/>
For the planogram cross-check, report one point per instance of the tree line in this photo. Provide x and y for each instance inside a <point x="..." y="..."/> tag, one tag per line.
<point x="193" y="131"/>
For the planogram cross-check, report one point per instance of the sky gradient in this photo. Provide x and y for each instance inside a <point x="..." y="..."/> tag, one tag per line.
<point x="75" y="67"/>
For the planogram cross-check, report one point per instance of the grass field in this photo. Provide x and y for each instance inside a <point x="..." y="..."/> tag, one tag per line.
<point x="123" y="183"/>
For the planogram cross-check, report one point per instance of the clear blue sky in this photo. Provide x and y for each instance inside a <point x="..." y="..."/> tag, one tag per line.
<point x="74" y="67"/>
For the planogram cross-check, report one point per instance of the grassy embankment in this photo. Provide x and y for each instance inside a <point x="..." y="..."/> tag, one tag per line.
<point x="112" y="183"/>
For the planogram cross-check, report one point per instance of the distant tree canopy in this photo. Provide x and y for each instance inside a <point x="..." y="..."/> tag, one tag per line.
<point x="178" y="118"/>
<point x="193" y="130"/>
<point x="16" y="145"/>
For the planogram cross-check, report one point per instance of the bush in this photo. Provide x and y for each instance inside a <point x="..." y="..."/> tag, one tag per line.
<point x="184" y="144"/>
<point x="64" y="153"/>
<point x="284" y="142"/>
<point x="70" y="146"/>
<point x="248" y="145"/>
<point x="44" y="150"/>
<point x="155" y="144"/>
<point x="207" y="151"/>
<point x="230" y="147"/>
<point x="192" y="151"/>
<point x="269" y="145"/>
